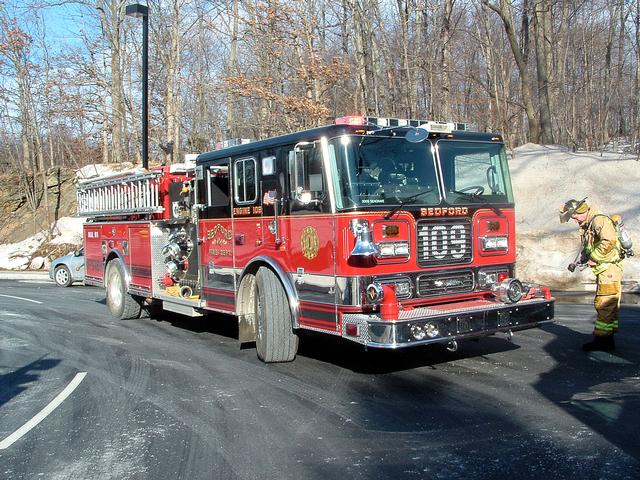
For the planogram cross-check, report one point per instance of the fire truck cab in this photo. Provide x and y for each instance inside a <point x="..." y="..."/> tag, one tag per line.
<point x="389" y="233"/>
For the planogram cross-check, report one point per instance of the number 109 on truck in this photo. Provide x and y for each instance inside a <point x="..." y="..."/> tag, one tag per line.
<point x="389" y="233"/>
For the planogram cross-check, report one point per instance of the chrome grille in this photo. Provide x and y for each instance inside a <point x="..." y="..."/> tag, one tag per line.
<point x="444" y="242"/>
<point x="446" y="282"/>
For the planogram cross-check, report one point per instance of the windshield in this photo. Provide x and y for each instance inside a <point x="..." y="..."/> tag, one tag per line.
<point x="377" y="170"/>
<point x="474" y="172"/>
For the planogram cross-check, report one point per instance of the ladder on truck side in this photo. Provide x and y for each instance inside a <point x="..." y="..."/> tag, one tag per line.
<point x="136" y="193"/>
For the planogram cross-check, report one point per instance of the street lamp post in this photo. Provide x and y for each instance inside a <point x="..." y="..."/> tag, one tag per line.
<point x="139" y="10"/>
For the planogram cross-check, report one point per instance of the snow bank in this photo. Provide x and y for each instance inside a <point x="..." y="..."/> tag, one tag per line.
<point x="68" y="230"/>
<point x="544" y="178"/>
<point x="105" y="170"/>
<point x="17" y="256"/>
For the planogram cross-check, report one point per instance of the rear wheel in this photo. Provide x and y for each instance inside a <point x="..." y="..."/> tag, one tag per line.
<point x="275" y="339"/>
<point x="62" y="276"/>
<point x="122" y="305"/>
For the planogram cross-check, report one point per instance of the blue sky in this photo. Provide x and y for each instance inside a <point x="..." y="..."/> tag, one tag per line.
<point x="62" y="22"/>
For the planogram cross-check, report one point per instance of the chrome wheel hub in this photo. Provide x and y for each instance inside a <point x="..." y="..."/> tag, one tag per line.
<point x="62" y="276"/>
<point x="115" y="288"/>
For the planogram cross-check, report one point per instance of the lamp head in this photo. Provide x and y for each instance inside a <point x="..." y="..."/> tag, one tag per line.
<point x="137" y="10"/>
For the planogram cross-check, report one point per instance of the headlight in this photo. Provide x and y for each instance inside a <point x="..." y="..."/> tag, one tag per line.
<point x="431" y="330"/>
<point x="417" y="332"/>
<point x="495" y="243"/>
<point x="393" y="249"/>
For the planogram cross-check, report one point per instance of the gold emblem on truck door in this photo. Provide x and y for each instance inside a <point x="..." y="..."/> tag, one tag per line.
<point x="309" y="243"/>
<point x="219" y="235"/>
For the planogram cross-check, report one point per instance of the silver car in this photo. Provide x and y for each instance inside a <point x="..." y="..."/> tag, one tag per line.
<point x="68" y="269"/>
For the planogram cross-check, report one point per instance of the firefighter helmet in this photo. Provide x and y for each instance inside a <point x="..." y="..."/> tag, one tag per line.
<point x="571" y="207"/>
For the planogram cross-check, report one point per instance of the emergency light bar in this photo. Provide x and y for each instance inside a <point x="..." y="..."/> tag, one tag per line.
<point x="232" y="142"/>
<point x="384" y="122"/>
<point x="439" y="127"/>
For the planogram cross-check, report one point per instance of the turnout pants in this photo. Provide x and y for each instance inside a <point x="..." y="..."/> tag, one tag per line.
<point x="607" y="300"/>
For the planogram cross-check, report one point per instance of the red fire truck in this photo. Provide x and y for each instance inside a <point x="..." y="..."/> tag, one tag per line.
<point x="386" y="232"/>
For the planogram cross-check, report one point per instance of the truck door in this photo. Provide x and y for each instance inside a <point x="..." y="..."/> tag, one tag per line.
<point x="93" y="255"/>
<point x="247" y="210"/>
<point x="311" y="236"/>
<point x="273" y="203"/>
<point x="216" y="239"/>
<point x="139" y="258"/>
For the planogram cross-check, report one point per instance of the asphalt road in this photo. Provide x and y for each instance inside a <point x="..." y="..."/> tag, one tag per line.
<point x="176" y="398"/>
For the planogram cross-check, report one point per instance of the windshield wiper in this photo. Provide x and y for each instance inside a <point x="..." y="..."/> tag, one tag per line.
<point x="406" y="201"/>
<point x="476" y="198"/>
<point x="473" y="195"/>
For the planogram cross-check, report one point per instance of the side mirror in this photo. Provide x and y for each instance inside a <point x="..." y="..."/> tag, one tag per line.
<point x="303" y="196"/>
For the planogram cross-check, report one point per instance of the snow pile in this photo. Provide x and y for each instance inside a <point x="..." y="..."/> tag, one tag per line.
<point x="68" y="230"/>
<point x="106" y="170"/>
<point x="544" y="177"/>
<point x="17" y="256"/>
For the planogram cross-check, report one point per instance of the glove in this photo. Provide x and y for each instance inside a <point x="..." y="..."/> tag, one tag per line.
<point x="584" y="258"/>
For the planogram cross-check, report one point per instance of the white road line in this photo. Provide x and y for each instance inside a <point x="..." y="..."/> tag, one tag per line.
<point x="20" y="298"/>
<point x="7" y="442"/>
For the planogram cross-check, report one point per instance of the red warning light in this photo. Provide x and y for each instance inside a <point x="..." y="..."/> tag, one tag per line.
<point x="351" y="120"/>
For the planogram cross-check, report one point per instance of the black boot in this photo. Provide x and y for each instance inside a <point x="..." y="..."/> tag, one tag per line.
<point x="600" y="344"/>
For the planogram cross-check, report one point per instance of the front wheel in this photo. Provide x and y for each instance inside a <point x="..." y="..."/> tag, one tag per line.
<point x="121" y="304"/>
<point x="62" y="276"/>
<point x="275" y="339"/>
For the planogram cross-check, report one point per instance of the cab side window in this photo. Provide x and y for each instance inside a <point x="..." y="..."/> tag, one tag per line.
<point x="213" y="190"/>
<point x="245" y="183"/>
<point x="218" y="186"/>
<point x="307" y="179"/>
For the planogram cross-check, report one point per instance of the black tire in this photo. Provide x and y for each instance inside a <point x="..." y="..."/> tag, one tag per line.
<point x="121" y="304"/>
<point x="62" y="276"/>
<point x="275" y="339"/>
<point x="152" y="309"/>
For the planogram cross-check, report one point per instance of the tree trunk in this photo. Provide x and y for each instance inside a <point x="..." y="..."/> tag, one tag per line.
<point x="445" y="60"/>
<point x="232" y="71"/>
<point x="361" y="30"/>
<point x="506" y="15"/>
<point x="542" y="25"/>
<point x="636" y="85"/>
<point x="172" y="92"/>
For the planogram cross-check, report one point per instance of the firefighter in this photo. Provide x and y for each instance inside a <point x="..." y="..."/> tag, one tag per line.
<point x="601" y="252"/>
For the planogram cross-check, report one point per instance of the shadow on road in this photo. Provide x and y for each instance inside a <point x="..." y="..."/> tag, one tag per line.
<point x="16" y="382"/>
<point x="374" y="361"/>
<point x="599" y="389"/>
<point x="215" y="323"/>
<point x="346" y="354"/>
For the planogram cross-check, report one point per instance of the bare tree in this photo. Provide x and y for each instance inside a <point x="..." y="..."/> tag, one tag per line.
<point x="505" y="12"/>
<point x="542" y="29"/>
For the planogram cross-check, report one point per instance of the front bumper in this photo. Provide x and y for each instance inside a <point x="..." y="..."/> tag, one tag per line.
<point x="457" y="321"/>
